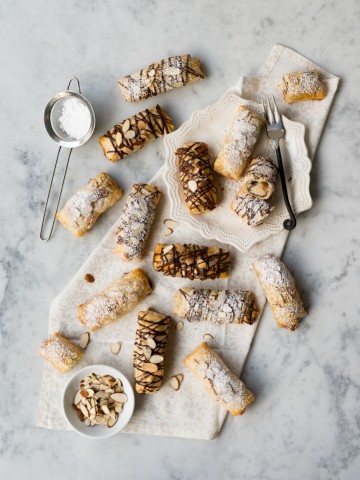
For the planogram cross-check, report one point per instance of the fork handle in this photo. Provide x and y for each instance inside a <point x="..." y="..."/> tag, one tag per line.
<point x="289" y="223"/>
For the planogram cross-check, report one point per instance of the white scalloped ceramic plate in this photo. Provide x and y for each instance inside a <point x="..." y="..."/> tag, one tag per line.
<point x="210" y="126"/>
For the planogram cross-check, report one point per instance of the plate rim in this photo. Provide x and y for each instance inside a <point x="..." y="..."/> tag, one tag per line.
<point x="218" y="233"/>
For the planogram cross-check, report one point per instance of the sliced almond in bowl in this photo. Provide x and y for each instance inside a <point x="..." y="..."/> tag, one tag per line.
<point x="119" y="397"/>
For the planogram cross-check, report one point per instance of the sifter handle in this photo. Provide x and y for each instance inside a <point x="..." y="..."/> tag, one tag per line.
<point x="43" y="238"/>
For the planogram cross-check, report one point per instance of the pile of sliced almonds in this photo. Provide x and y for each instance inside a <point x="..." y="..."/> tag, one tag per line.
<point x="100" y="400"/>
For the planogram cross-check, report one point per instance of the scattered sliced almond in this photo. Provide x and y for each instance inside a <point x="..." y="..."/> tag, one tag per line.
<point x="174" y="382"/>
<point x="151" y="342"/>
<point x="84" y="340"/>
<point x="207" y="337"/>
<point x="168" y="232"/>
<point x="156" y="359"/>
<point x="179" y="325"/>
<point x="180" y="377"/>
<point x="151" y="73"/>
<point x="169" y="222"/>
<point x="119" y="397"/>
<point x="115" y="349"/>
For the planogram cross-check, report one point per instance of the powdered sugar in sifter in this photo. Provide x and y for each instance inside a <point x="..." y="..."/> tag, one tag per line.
<point x="70" y="122"/>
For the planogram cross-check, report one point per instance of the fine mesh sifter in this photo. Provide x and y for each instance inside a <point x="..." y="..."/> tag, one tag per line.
<point x="52" y="119"/>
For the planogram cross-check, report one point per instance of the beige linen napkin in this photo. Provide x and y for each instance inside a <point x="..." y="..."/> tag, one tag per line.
<point x="187" y="412"/>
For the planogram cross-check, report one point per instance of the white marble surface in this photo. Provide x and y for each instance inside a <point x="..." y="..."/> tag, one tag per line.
<point x="306" y="421"/>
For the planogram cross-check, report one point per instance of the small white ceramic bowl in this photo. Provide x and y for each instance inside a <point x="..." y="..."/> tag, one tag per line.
<point x="97" y="431"/>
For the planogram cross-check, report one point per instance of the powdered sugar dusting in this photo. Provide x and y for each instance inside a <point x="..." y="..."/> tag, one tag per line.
<point x="226" y="386"/>
<point x="60" y="351"/>
<point x="136" y="220"/>
<point x="280" y="290"/>
<point x="300" y="83"/>
<point x="118" y="299"/>
<point x="239" y="144"/>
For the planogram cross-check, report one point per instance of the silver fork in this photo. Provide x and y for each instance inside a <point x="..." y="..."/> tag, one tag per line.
<point x="275" y="131"/>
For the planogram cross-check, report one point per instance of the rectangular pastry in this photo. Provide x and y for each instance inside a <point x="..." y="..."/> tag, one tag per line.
<point x="219" y="381"/>
<point x="216" y="306"/>
<point x="135" y="222"/>
<point x="134" y="133"/>
<point x="82" y="210"/>
<point x="196" y="177"/>
<point x="149" y="352"/>
<point x="160" y="77"/>
<point x="299" y="86"/>
<point x="60" y="352"/>
<point x="251" y="210"/>
<point x="280" y="290"/>
<point x="260" y="178"/>
<point x="191" y="261"/>
<point x="239" y="143"/>
<point x="117" y="299"/>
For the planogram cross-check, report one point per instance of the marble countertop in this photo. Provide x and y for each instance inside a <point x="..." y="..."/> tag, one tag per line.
<point x="306" y="421"/>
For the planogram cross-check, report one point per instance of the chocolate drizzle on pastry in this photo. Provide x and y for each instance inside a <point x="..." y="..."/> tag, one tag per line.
<point x="135" y="222"/>
<point x="216" y="306"/>
<point x="149" y="352"/>
<point x="132" y="134"/>
<point x="251" y="210"/>
<point x="191" y="261"/>
<point x="160" y="77"/>
<point x="196" y="177"/>
<point x="260" y="178"/>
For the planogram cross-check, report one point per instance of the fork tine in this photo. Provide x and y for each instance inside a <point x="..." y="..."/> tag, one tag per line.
<point x="269" y="112"/>
<point x="264" y="110"/>
<point x="276" y="111"/>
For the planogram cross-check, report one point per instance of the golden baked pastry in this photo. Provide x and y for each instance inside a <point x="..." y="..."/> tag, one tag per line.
<point x="260" y="178"/>
<point x="135" y="132"/>
<point x="191" y="261"/>
<point x="239" y="143"/>
<point x="149" y="352"/>
<point x="82" y="210"/>
<point x="160" y="77"/>
<point x="196" y="177"/>
<point x="280" y="290"/>
<point x="219" y="381"/>
<point x="135" y="222"/>
<point x="299" y="86"/>
<point x="216" y="306"/>
<point x="251" y="210"/>
<point x="117" y="299"/>
<point x="60" y="352"/>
